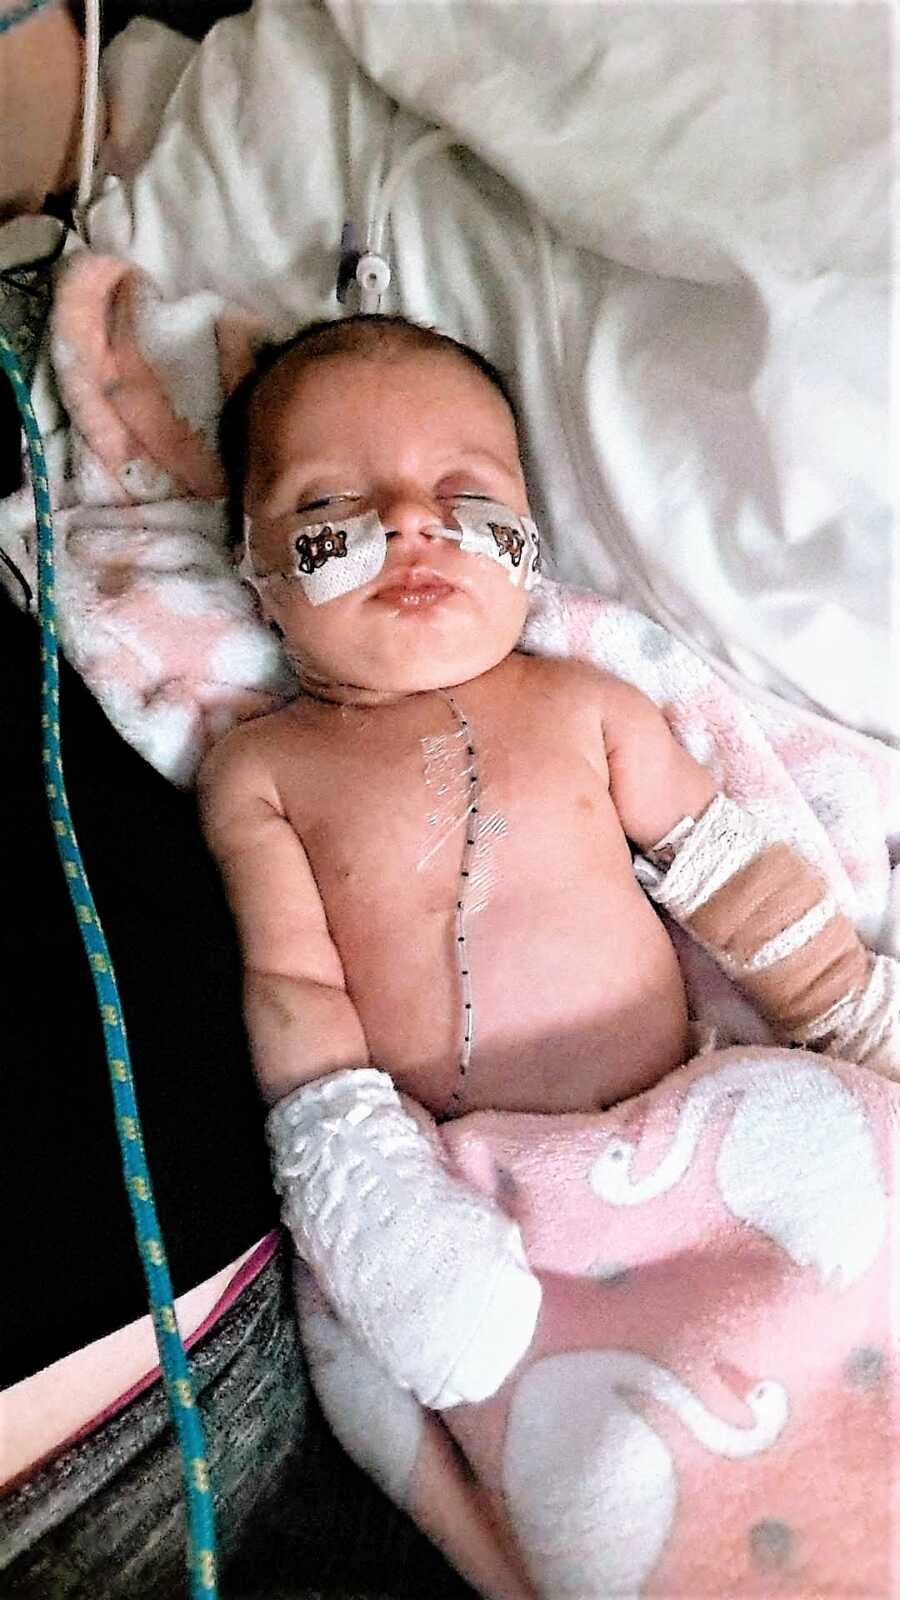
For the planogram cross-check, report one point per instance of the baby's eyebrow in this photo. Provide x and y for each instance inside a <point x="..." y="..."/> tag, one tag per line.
<point x="478" y="453"/>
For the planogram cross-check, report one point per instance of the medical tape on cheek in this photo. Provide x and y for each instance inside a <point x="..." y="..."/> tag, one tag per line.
<point x="329" y="559"/>
<point x="491" y="529"/>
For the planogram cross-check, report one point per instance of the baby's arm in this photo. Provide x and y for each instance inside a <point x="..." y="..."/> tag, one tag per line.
<point x="758" y="906"/>
<point x="300" y="1019"/>
<point x="429" y="1274"/>
<point x="653" y="781"/>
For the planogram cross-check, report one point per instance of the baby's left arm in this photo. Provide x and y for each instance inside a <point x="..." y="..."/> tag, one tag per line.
<point x="765" y="914"/>
<point x="653" y="782"/>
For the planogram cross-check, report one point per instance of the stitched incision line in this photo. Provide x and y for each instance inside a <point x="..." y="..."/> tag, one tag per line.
<point x="462" y="952"/>
<point x="452" y="775"/>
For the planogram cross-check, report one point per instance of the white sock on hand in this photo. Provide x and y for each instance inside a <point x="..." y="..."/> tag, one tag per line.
<point x="429" y="1274"/>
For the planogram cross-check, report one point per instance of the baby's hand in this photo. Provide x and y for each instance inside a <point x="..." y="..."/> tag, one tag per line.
<point x="427" y="1272"/>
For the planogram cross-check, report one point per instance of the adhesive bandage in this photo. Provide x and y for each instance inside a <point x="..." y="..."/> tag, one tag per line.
<point x="329" y="558"/>
<point x="333" y="558"/>
<point x="491" y="529"/>
<point x="429" y="1274"/>
<point x="771" y="922"/>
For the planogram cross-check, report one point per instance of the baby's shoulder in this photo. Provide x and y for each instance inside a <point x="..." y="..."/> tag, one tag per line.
<point x="251" y="754"/>
<point x="578" y="685"/>
<point x="592" y="706"/>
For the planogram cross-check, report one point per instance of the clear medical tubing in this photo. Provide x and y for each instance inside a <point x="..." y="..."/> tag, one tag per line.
<point x="90" y="101"/>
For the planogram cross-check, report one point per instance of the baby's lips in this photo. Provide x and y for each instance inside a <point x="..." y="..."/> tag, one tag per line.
<point x="411" y="579"/>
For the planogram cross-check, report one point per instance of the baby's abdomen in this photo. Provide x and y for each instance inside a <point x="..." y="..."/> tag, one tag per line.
<point x="591" y="1010"/>
<point x="577" y="999"/>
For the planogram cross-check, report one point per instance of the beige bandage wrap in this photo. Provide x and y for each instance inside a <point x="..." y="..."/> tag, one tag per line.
<point x="772" y="923"/>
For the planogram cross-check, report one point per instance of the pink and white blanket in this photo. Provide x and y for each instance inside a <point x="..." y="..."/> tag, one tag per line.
<point x="710" y="1405"/>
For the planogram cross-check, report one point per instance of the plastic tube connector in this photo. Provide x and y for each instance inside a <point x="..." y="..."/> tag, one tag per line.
<point x="373" y="276"/>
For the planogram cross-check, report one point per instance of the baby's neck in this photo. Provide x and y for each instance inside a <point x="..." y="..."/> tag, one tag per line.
<point x="346" y="694"/>
<point x="351" y="694"/>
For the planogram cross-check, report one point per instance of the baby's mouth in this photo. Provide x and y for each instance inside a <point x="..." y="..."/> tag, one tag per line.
<point x="417" y="586"/>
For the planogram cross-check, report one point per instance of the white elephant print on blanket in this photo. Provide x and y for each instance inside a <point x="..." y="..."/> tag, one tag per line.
<point x="710" y="1402"/>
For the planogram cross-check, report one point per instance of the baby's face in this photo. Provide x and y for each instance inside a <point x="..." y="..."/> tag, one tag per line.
<point x="407" y="437"/>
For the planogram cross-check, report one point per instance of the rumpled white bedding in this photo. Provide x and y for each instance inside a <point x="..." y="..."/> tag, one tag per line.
<point x="715" y="325"/>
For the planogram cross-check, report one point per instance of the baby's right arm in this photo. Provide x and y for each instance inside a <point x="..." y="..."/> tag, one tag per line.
<point x="429" y="1274"/>
<point x="300" y="1019"/>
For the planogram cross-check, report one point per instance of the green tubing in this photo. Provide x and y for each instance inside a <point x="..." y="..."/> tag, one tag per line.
<point x="173" y="1359"/>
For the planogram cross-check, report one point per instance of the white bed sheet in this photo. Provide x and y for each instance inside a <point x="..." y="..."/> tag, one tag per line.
<point x="718" y="181"/>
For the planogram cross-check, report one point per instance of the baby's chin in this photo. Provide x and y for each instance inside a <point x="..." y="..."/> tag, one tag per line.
<point x="416" y="655"/>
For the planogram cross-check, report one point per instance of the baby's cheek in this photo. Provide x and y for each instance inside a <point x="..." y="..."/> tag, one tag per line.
<point x="319" y="631"/>
<point x="505" y="603"/>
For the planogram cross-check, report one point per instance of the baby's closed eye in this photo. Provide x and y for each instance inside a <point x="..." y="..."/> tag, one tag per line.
<point x="462" y="485"/>
<point x="322" y="502"/>
<point x="341" y="503"/>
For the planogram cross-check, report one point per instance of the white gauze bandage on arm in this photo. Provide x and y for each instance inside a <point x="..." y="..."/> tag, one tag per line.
<point x="772" y="923"/>
<point x="428" y="1273"/>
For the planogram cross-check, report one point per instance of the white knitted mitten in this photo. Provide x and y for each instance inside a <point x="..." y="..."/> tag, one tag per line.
<point x="428" y="1273"/>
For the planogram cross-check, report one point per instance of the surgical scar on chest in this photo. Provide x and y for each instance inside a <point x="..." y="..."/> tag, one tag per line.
<point x="458" y="801"/>
<point x="453" y="769"/>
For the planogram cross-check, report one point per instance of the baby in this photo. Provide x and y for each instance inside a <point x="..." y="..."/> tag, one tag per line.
<point x="427" y="852"/>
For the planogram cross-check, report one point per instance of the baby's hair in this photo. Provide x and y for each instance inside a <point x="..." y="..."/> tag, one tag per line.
<point x="370" y="335"/>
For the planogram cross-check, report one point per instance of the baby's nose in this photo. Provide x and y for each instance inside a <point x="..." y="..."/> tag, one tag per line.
<point x="412" y="515"/>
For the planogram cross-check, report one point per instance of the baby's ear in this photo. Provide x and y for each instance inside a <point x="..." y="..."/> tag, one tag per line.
<point x="244" y="571"/>
<point x="238" y="338"/>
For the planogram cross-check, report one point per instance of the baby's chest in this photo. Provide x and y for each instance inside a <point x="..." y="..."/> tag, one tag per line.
<point x="412" y="828"/>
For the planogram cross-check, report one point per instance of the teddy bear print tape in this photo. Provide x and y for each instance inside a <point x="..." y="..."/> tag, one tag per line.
<point x="330" y="558"/>
<point x="491" y="529"/>
<point x="333" y="558"/>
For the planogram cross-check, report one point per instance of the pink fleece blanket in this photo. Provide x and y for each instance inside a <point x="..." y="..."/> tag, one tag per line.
<point x="710" y="1404"/>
